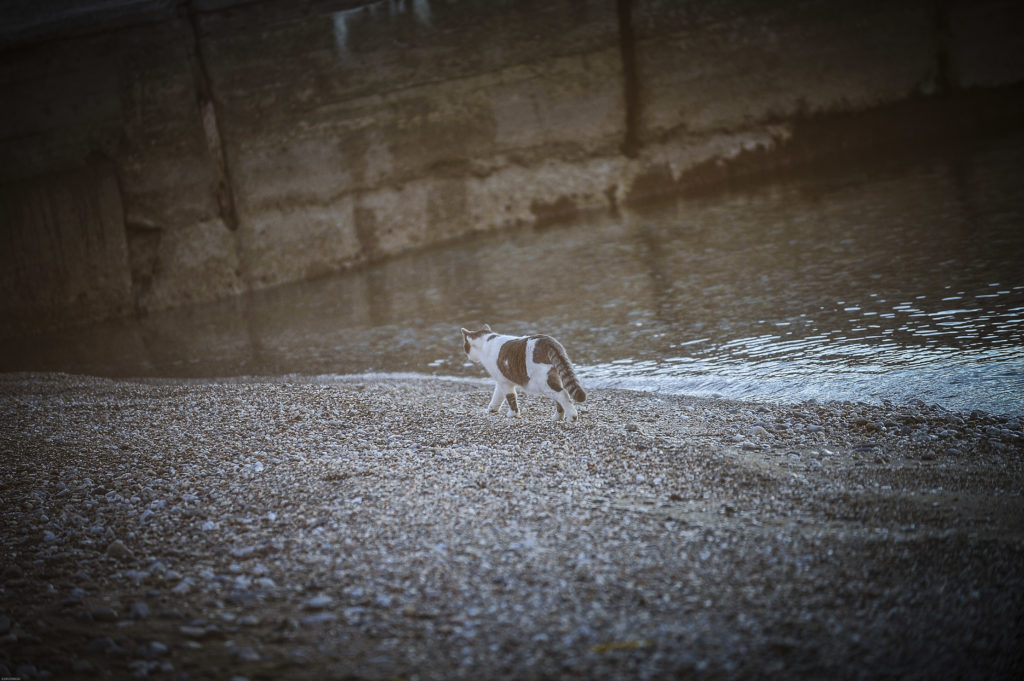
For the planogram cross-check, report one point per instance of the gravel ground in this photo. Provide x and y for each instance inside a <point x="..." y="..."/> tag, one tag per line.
<point x="382" y="529"/>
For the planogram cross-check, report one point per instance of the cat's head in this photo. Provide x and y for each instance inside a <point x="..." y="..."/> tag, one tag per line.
<point x="472" y="341"/>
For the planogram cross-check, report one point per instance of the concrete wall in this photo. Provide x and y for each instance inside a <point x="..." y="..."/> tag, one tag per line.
<point x="65" y="257"/>
<point x="254" y="143"/>
<point x="123" y="100"/>
<point x="388" y="127"/>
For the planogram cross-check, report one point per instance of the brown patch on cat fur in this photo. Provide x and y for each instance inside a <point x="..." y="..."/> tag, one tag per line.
<point x="549" y="351"/>
<point x="512" y="361"/>
<point x="512" y="404"/>
<point x="554" y="382"/>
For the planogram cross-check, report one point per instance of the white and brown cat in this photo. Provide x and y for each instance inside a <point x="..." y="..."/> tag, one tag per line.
<point x="536" y="364"/>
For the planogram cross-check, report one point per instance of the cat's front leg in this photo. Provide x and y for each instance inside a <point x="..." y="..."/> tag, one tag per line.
<point x="564" y="408"/>
<point x="496" y="399"/>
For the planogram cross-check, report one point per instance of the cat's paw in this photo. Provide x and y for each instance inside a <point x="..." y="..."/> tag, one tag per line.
<point x="514" y="414"/>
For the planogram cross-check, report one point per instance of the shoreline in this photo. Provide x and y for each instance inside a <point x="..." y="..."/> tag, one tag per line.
<point x="388" y="527"/>
<point x="769" y="401"/>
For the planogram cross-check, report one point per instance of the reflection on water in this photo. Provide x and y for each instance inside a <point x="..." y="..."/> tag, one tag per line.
<point x="896" y="281"/>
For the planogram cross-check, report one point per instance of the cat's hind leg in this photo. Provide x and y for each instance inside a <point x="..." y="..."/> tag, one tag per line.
<point x="513" y="403"/>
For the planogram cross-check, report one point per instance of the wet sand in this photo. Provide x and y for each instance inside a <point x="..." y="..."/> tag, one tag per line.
<point x="377" y="529"/>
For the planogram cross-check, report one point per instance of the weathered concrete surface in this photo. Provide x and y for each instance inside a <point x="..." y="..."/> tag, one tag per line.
<point x="65" y="254"/>
<point x="713" y="67"/>
<point x="259" y="143"/>
<point x="128" y="97"/>
<point x="385" y="128"/>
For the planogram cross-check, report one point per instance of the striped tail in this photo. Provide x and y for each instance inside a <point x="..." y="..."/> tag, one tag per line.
<point x="569" y="380"/>
<point x="556" y="357"/>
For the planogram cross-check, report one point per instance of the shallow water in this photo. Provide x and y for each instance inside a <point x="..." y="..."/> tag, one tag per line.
<point x="901" y="279"/>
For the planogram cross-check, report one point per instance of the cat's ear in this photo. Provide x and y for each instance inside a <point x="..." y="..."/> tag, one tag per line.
<point x="464" y="333"/>
<point x="487" y="328"/>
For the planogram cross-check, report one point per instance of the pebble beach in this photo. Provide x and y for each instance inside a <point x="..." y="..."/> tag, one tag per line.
<point x="390" y="528"/>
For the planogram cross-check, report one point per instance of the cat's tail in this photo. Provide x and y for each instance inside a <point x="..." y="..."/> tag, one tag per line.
<point x="571" y="383"/>
<point x="560" y="360"/>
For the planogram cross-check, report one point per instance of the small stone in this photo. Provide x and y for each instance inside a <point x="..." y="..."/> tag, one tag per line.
<point x="317" y="602"/>
<point x="103" y="613"/>
<point x="82" y="667"/>
<point x="183" y="587"/>
<point x="141" y="668"/>
<point x="26" y="671"/>
<point x="135" y="576"/>
<point x="318" y="618"/>
<point x="243" y="552"/>
<point x="241" y="597"/>
<point x="246" y="655"/>
<point x="103" y="644"/>
<point x="140" y="610"/>
<point x="298" y="656"/>
<point x="119" y="551"/>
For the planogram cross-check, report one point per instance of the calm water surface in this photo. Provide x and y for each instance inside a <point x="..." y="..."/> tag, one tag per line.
<point x="898" y="280"/>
